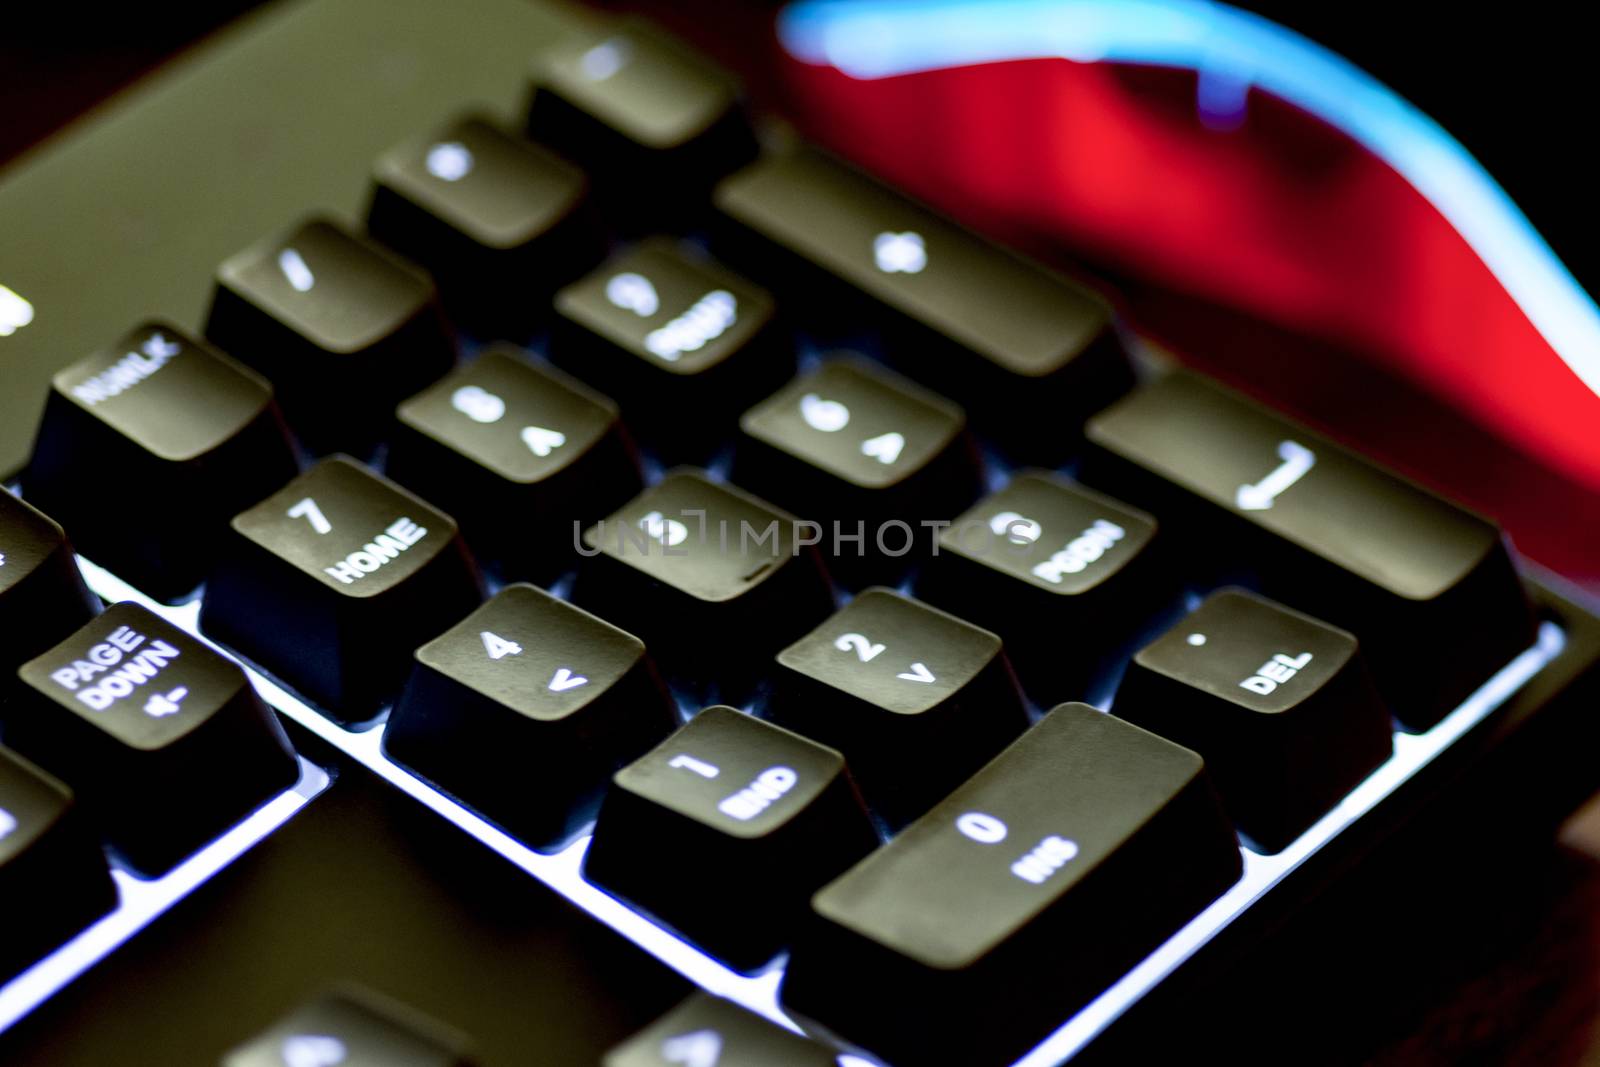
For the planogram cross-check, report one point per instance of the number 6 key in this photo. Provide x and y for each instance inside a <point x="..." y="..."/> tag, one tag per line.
<point x="334" y="580"/>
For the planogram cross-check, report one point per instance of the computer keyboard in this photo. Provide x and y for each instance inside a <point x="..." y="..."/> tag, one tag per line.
<point x="548" y="552"/>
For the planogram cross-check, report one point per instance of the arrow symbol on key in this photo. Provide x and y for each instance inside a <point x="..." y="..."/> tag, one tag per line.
<point x="540" y="441"/>
<point x="919" y="672"/>
<point x="163" y="704"/>
<point x="702" y="1048"/>
<point x="1297" y="460"/>
<point x="885" y="448"/>
<point x="565" y="679"/>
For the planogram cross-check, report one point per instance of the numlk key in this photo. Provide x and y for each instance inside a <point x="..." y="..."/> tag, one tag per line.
<point x="1029" y="351"/>
<point x="525" y="708"/>
<point x="497" y="220"/>
<point x="42" y="595"/>
<point x="915" y="698"/>
<point x="53" y="877"/>
<point x="517" y="453"/>
<point x="729" y="800"/>
<point x="1027" y="891"/>
<point x="1280" y="705"/>
<point x="331" y="583"/>
<point x="156" y="426"/>
<point x="1427" y="586"/>
<point x="343" y="327"/>
<point x="163" y="738"/>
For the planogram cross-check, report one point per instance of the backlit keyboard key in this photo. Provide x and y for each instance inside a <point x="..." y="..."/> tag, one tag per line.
<point x="654" y="122"/>
<point x="726" y="801"/>
<point x="497" y="220"/>
<point x="525" y="708"/>
<point x="706" y="1031"/>
<point x="713" y="579"/>
<point x="158" y="425"/>
<point x="354" y="1027"/>
<point x="916" y="699"/>
<point x="683" y="344"/>
<point x="1062" y="573"/>
<point x="343" y="327"/>
<point x="1279" y="704"/>
<point x="969" y="935"/>
<point x="334" y="580"/>
<point x="1426" y="585"/>
<point x="53" y="879"/>
<point x="864" y="452"/>
<point x="519" y="454"/>
<point x="1030" y="351"/>
<point x="164" y="739"/>
<point x="42" y="595"/>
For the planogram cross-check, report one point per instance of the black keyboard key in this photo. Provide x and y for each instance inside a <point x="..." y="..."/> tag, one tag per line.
<point x="916" y="699"/>
<point x="354" y="1027"/>
<point x="334" y="580"/>
<point x="654" y="122"/>
<point x="713" y="579"/>
<point x="342" y="326"/>
<point x="676" y="339"/>
<point x="1065" y="575"/>
<point x="497" y="220"/>
<point x="53" y="879"/>
<point x="726" y="800"/>
<point x="164" y="739"/>
<point x="518" y="454"/>
<point x="707" y="1031"/>
<point x="1418" y="579"/>
<point x="1033" y="886"/>
<point x="42" y="595"/>
<point x="1279" y="704"/>
<point x="149" y="447"/>
<point x="1030" y="351"/>
<point x="524" y="710"/>
<point x="868" y="454"/>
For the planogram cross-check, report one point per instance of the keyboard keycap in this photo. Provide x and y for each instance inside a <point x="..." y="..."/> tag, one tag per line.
<point x="524" y="710"/>
<point x="865" y="452"/>
<point x="677" y="339"/>
<point x="497" y="220"/>
<point x="1427" y="586"/>
<point x="916" y="699"/>
<point x="1031" y="352"/>
<point x="1279" y="704"/>
<point x="53" y="880"/>
<point x="729" y="801"/>
<point x="158" y="425"/>
<point x="1062" y="573"/>
<point x="334" y="580"/>
<point x="353" y="1027"/>
<point x="653" y="122"/>
<point x="42" y="595"/>
<point x="518" y="454"/>
<point x="165" y="740"/>
<point x="707" y="1031"/>
<point x="964" y="939"/>
<point x="713" y="579"/>
<point x="343" y="328"/>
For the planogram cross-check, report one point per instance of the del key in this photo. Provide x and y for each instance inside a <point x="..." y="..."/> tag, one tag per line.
<point x="1426" y="585"/>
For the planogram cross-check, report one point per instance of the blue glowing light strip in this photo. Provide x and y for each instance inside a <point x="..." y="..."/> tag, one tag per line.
<point x="141" y="902"/>
<point x="562" y="871"/>
<point x="1228" y="47"/>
